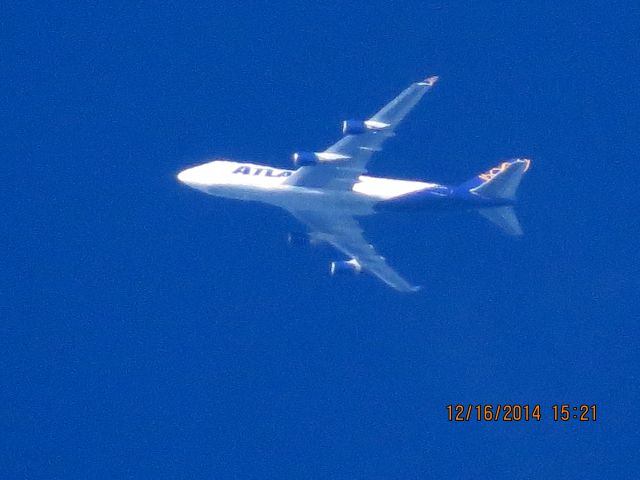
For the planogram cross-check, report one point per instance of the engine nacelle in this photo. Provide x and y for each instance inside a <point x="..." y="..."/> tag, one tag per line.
<point x="351" y="267"/>
<point x="353" y="127"/>
<point x="357" y="127"/>
<point x="298" y="239"/>
<point x="305" y="159"/>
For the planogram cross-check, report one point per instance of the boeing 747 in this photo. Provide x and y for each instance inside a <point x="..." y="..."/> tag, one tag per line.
<point x="329" y="189"/>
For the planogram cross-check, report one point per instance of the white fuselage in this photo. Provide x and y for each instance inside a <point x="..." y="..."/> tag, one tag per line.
<point x="261" y="183"/>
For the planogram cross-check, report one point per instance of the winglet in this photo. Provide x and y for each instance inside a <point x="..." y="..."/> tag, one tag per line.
<point x="429" y="81"/>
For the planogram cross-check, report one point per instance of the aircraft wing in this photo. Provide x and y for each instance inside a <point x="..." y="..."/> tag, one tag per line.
<point x="345" y="234"/>
<point x="342" y="163"/>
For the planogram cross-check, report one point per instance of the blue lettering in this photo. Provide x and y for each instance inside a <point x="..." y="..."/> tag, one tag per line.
<point x="243" y="170"/>
<point x="267" y="172"/>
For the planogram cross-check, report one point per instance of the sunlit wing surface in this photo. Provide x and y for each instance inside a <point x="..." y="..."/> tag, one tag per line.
<point x="343" y="162"/>
<point x="345" y="234"/>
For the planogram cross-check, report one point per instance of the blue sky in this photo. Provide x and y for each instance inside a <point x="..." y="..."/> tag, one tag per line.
<point x="150" y="331"/>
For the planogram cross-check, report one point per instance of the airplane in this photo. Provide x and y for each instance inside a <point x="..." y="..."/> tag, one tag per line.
<point x="329" y="189"/>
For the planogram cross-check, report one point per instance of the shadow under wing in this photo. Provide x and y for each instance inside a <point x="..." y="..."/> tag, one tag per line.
<point x="345" y="234"/>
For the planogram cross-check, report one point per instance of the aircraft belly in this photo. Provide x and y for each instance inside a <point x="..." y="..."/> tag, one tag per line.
<point x="298" y="198"/>
<point x="322" y="200"/>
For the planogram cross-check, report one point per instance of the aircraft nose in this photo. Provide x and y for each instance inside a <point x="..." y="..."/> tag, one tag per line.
<point x="186" y="176"/>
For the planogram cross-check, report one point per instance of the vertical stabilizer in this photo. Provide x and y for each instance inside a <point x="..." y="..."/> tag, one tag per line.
<point x="500" y="182"/>
<point x="500" y="185"/>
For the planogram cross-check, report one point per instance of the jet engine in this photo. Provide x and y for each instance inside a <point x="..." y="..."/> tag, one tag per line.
<point x="346" y="267"/>
<point x="298" y="239"/>
<point x="353" y="127"/>
<point x="305" y="159"/>
<point x="357" y="127"/>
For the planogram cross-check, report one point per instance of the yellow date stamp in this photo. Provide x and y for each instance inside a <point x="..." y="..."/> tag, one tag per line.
<point x="520" y="412"/>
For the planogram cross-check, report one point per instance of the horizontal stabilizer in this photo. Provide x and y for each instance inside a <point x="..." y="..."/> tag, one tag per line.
<point x="503" y="217"/>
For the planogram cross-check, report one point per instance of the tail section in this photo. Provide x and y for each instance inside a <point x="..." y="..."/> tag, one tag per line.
<point x="500" y="184"/>
<point x="505" y="218"/>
